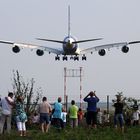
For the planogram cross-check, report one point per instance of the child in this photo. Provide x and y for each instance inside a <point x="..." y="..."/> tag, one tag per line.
<point x="64" y="118"/>
<point x="80" y="117"/>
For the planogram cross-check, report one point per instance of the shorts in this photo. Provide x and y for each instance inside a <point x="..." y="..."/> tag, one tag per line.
<point x="57" y="122"/>
<point x="118" y="118"/>
<point x="91" y="117"/>
<point x="44" y="118"/>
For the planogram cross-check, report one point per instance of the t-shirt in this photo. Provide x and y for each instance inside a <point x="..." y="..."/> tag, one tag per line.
<point x="136" y="115"/>
<point x="118" y="108"/>
<point x="57" y="110"/>
<point x="6" y="107"/>
<point x="73" y="110"/>
<point x="80" y="115"/>
<point x="92" y="103"/>
<point x="64" y="116"/>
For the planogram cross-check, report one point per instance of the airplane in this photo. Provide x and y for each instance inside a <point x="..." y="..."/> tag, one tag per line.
<point x="69" y="46"/>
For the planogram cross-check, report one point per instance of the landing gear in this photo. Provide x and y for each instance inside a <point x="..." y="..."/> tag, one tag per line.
<point x="72" y="57"/>
<point x="65" y="58"/>
<point x="76" y="58"/>
<point x="57" y="58"/>
<point x="84" y="57"/>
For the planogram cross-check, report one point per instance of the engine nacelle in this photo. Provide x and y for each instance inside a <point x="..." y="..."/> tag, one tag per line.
<point x="125" y="49"/>
<point x="102" y="52"/>
<point x="16" y="49"/>
<point x="39" y="52"/>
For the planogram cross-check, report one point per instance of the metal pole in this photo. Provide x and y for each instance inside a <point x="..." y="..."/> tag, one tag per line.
<point x="107" y="104"/>
<point x="80" y="87"/>
<point x="65" y="87"/>
<point x="66" y="103"/>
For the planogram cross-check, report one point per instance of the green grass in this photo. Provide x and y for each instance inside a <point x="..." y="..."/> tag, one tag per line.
<point x="106" y="133"/>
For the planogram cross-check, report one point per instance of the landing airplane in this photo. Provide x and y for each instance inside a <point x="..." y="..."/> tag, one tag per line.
<point x="69" y="46"/>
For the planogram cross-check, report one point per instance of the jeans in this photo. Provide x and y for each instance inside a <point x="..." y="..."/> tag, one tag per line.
<point x="6" y="118"/>
<point x="118" y="118"/>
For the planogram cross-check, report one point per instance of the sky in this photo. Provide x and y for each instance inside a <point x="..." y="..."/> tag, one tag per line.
<point x="114" y="21"/>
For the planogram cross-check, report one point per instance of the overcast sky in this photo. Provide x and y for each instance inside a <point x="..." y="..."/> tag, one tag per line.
<point x="115" y="21"/>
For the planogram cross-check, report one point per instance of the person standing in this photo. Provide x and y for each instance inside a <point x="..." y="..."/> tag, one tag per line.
<point x="57" y="121"/>
<point x="44" y="110"/>
<point x="64" y="118"/>
<point x="80" y="117"/>
<point x="21" y="116"/>
<point x="7" y="104"/>
<point x="118" y="116"/>
<point x="73" y="114"/>
<point x="136" y="114"/>
<point x="91" y="116"/>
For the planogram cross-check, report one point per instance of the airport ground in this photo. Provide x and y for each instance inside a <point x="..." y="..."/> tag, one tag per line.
<point x="101" y="133"/>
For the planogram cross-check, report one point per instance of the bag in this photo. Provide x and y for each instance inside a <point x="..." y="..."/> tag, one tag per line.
<point x="23" y="117"/>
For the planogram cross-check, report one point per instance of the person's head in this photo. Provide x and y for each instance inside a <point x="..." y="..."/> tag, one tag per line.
<point x="73" y="102"/>
<point x="91" y="93"/>
<point x="59" y="99"/>
<point x="80" y="109"/>
<point x="105" y="112"/>
<point x="63" y="110"/>
<point x="44" y="99"/>
<point x="135" y="102"/>
<point x="10" y="94"/>
<point x="19" y="98"/>
<point x="35" y="113"/>
<point x="118" y="98"/>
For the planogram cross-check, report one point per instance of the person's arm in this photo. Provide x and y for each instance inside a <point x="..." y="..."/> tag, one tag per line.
<point x="50" y="108"/>
<point x="96" y="96"/>
<point x="10" y="101"/>
<point x="86" y="97"/>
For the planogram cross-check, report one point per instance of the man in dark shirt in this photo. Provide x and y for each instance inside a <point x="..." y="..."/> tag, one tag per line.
<point x="118" y="116"/>
<point x="91" y="116"/>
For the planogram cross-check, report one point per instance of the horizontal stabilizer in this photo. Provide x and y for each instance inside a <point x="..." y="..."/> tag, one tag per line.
<point x="81" y="41"/>
<point x="57" y="41"/>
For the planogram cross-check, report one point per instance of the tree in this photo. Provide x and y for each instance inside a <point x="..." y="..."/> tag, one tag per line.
<point x="26" y="90"/>
<point x="127" y="101"/>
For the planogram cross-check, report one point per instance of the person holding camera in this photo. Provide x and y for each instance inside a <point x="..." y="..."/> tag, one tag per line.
<point x="91" y="117"/>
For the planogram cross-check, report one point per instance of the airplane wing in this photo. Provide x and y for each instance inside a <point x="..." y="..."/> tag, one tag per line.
<point x="32" y="46"/>
<point x="106" y="46"/>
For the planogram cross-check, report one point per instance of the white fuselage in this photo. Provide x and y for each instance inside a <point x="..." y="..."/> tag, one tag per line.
<point x="69" y="46"/>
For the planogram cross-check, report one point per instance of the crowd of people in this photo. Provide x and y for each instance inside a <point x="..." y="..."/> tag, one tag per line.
<point x="47" y="116"/>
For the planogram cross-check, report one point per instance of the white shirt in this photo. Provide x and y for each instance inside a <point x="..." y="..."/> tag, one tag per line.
<point x="64" y="116"/>
<point x="6" y="107"/>
<point x="136" y="115"/>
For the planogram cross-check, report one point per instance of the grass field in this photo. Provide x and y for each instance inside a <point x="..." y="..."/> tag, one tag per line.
<point x="106" y="133"/>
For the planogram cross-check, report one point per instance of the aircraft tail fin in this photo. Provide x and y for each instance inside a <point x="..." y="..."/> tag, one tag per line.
<point x="69" y="33"/>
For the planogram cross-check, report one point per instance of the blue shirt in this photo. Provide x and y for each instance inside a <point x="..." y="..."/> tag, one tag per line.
<point x="57" y="110"/>
<point x="92" y="103"/>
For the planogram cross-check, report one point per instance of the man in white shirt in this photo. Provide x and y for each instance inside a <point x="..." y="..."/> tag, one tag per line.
<point x="6" y="105"/>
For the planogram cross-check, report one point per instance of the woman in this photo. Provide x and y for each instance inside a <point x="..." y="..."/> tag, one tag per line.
<point x="21" y="116"/>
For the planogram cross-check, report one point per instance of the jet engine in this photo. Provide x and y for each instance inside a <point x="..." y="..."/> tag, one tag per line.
<point x="16" y="49"/>
<point x="39" y="52"/>
<point x="102" y="52"/>
<point x="125" y="49"/>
